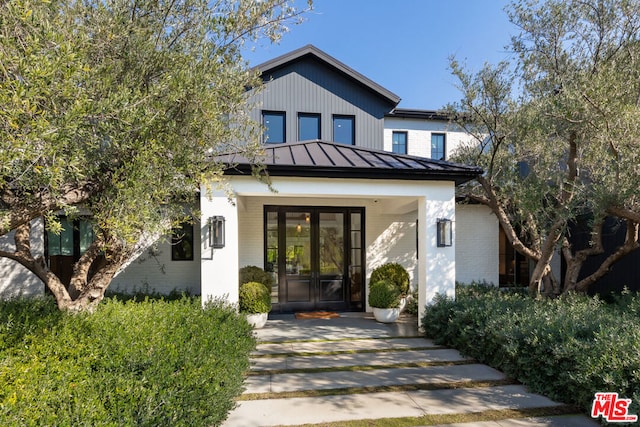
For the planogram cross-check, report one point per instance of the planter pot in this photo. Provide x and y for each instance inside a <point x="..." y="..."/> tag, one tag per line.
<point x="386" y="315"/>
<point x="257" y="320"/>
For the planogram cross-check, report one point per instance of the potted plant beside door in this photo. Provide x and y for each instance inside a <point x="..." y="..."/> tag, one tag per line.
<point x="255" y="302"/>
<point x="384" y="297"/>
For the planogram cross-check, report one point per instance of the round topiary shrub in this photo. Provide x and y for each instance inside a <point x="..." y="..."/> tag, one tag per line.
<point x="254" y="298"/>
<point x="384" y="294"/>
<point x="395" y="273"/>
<point x="251" y="273"/>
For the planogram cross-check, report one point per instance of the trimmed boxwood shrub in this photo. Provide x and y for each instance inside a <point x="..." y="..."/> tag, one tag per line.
<point x="154" y="363"/>
<point x="567" y="348"/>
<point x="395" y="273"/>
<point x="251" y="273"/>
<point x="254" y="298"/>
<point x="384" y="294"/>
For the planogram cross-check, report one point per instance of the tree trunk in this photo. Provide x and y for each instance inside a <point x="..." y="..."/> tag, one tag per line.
<point x="630" y="244"/>
<point x="91" y="274"/>
<point x="543" y="264"/>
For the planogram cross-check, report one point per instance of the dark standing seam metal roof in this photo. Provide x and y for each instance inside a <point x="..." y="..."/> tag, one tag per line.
<point x="311" y="50"/>
<point x="322" y="159"/>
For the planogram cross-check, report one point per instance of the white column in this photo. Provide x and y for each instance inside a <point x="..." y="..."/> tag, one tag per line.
<point x="219" y="267"/>
<point x="436" y="265"/>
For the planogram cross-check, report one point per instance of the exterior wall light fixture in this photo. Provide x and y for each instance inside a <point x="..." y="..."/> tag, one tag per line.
<point x="445" y="232"/>
<point x="216" y="232"/>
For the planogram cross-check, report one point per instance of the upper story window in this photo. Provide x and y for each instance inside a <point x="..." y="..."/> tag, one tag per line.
<point x="438" y="146"/>
<point x="274" y="124"/>
<point x="399" y="142"/>
<point x="308" y="126"/>
<point x="344" y="129"/>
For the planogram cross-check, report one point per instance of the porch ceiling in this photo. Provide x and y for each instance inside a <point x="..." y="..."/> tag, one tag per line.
<point x="332" y="160"/>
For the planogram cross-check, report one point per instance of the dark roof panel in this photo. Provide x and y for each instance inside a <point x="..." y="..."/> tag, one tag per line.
<point x="329" y="159"/>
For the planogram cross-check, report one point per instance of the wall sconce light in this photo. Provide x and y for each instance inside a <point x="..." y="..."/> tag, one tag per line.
<point x="216" y="232"/>
<point x="445" y="232"/>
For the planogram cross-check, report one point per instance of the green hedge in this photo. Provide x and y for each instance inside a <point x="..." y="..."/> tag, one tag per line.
<point x="567" y="348"/>
<point x="155" y="363"/>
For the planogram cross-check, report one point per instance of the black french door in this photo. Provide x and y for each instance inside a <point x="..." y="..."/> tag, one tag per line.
<point x="315" y="254"/>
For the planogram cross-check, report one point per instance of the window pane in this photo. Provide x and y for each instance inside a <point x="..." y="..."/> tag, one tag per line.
<point x="437" y="146"/>
<point x="182" y="243"/>
<point x="274" y="124"/>
<point x="86" y="235"/>
<point x="66" y="237"/>
<point x="399" y="143"/>
<point x="308" y="127"/>
<point x="343" y="129"/>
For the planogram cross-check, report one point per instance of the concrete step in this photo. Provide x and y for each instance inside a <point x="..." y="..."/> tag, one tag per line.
<point x="376" y="359"/>
<point x="315" y="410"/>
<point x="386" y="377"/>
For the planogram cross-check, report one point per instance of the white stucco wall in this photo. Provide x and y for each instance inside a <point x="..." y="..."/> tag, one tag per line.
<point x="476" y="244"/>
<point x="419" y="135"/>
<point x="392" y="208"/>
<point x="15" y="280"/>
<point x="154" y="271"/>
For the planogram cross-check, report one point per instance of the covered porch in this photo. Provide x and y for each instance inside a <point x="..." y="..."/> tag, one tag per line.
<point x="338" y="213"/>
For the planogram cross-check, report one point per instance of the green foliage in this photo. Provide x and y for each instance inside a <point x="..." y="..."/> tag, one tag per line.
<point x="122" y="107"/>
<point x="254" y="298"/>
<point x="395" y="273"/>
<point x="251" y="273"/>
<point x="567" y="99"/>
<point x="154" y="363"/>
<point x="384" y="294"/>
<point x="567" y="348"/>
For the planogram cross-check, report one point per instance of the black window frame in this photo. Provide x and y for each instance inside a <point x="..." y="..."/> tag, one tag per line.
<point x="177" y="240"/>
<point x="310" y="115"/>
<point x="353" y="127"/>
<point x="444" y="145"/>
<point x="393" y="142"/>
<point x="265" y="134"/>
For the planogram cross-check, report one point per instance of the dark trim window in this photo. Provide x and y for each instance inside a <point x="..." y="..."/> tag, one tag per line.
<point x="399" y="142"/>
<point x="182" y="243"/>
<point x="438" y="146"/>
<point x="74" y="239"/>
<point x="308" y="126"/>
<point x="274" y="127"/>
<point x="344" y="129"/>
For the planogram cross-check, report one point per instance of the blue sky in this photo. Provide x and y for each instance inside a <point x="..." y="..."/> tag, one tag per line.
<point x="402" y="45"/>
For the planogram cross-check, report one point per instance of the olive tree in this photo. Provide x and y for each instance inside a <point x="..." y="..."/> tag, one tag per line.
<point x="116" y="108"/>
<point x="557" y="131"/>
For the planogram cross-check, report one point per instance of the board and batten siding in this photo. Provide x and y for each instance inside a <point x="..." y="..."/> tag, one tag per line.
<point x="307" y="86"/>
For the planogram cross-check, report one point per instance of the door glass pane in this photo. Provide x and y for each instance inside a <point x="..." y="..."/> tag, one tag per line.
<point x="355" y="268"/>
<point x="271" y="265"/>
<point x="331" y="243"/>
<point x="298" y="243"/>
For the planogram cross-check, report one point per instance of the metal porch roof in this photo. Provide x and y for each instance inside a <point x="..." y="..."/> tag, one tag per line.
<point x="319" y="158"/>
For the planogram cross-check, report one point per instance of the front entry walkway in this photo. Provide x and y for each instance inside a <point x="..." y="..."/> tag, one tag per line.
<point x="352" y="369"/>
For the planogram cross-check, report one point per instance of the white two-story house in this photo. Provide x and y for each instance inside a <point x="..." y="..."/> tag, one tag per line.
<point x="359" y="183"/>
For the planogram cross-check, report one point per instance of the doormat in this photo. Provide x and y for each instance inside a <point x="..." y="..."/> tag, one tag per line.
<point x="317" y="315"/>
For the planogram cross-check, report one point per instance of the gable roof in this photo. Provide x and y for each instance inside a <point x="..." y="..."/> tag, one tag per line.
<point x="323" y="159"/>
<point x="312" y="51"/>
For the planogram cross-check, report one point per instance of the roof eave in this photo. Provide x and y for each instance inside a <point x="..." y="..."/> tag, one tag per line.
<point x="459" y="177"/>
